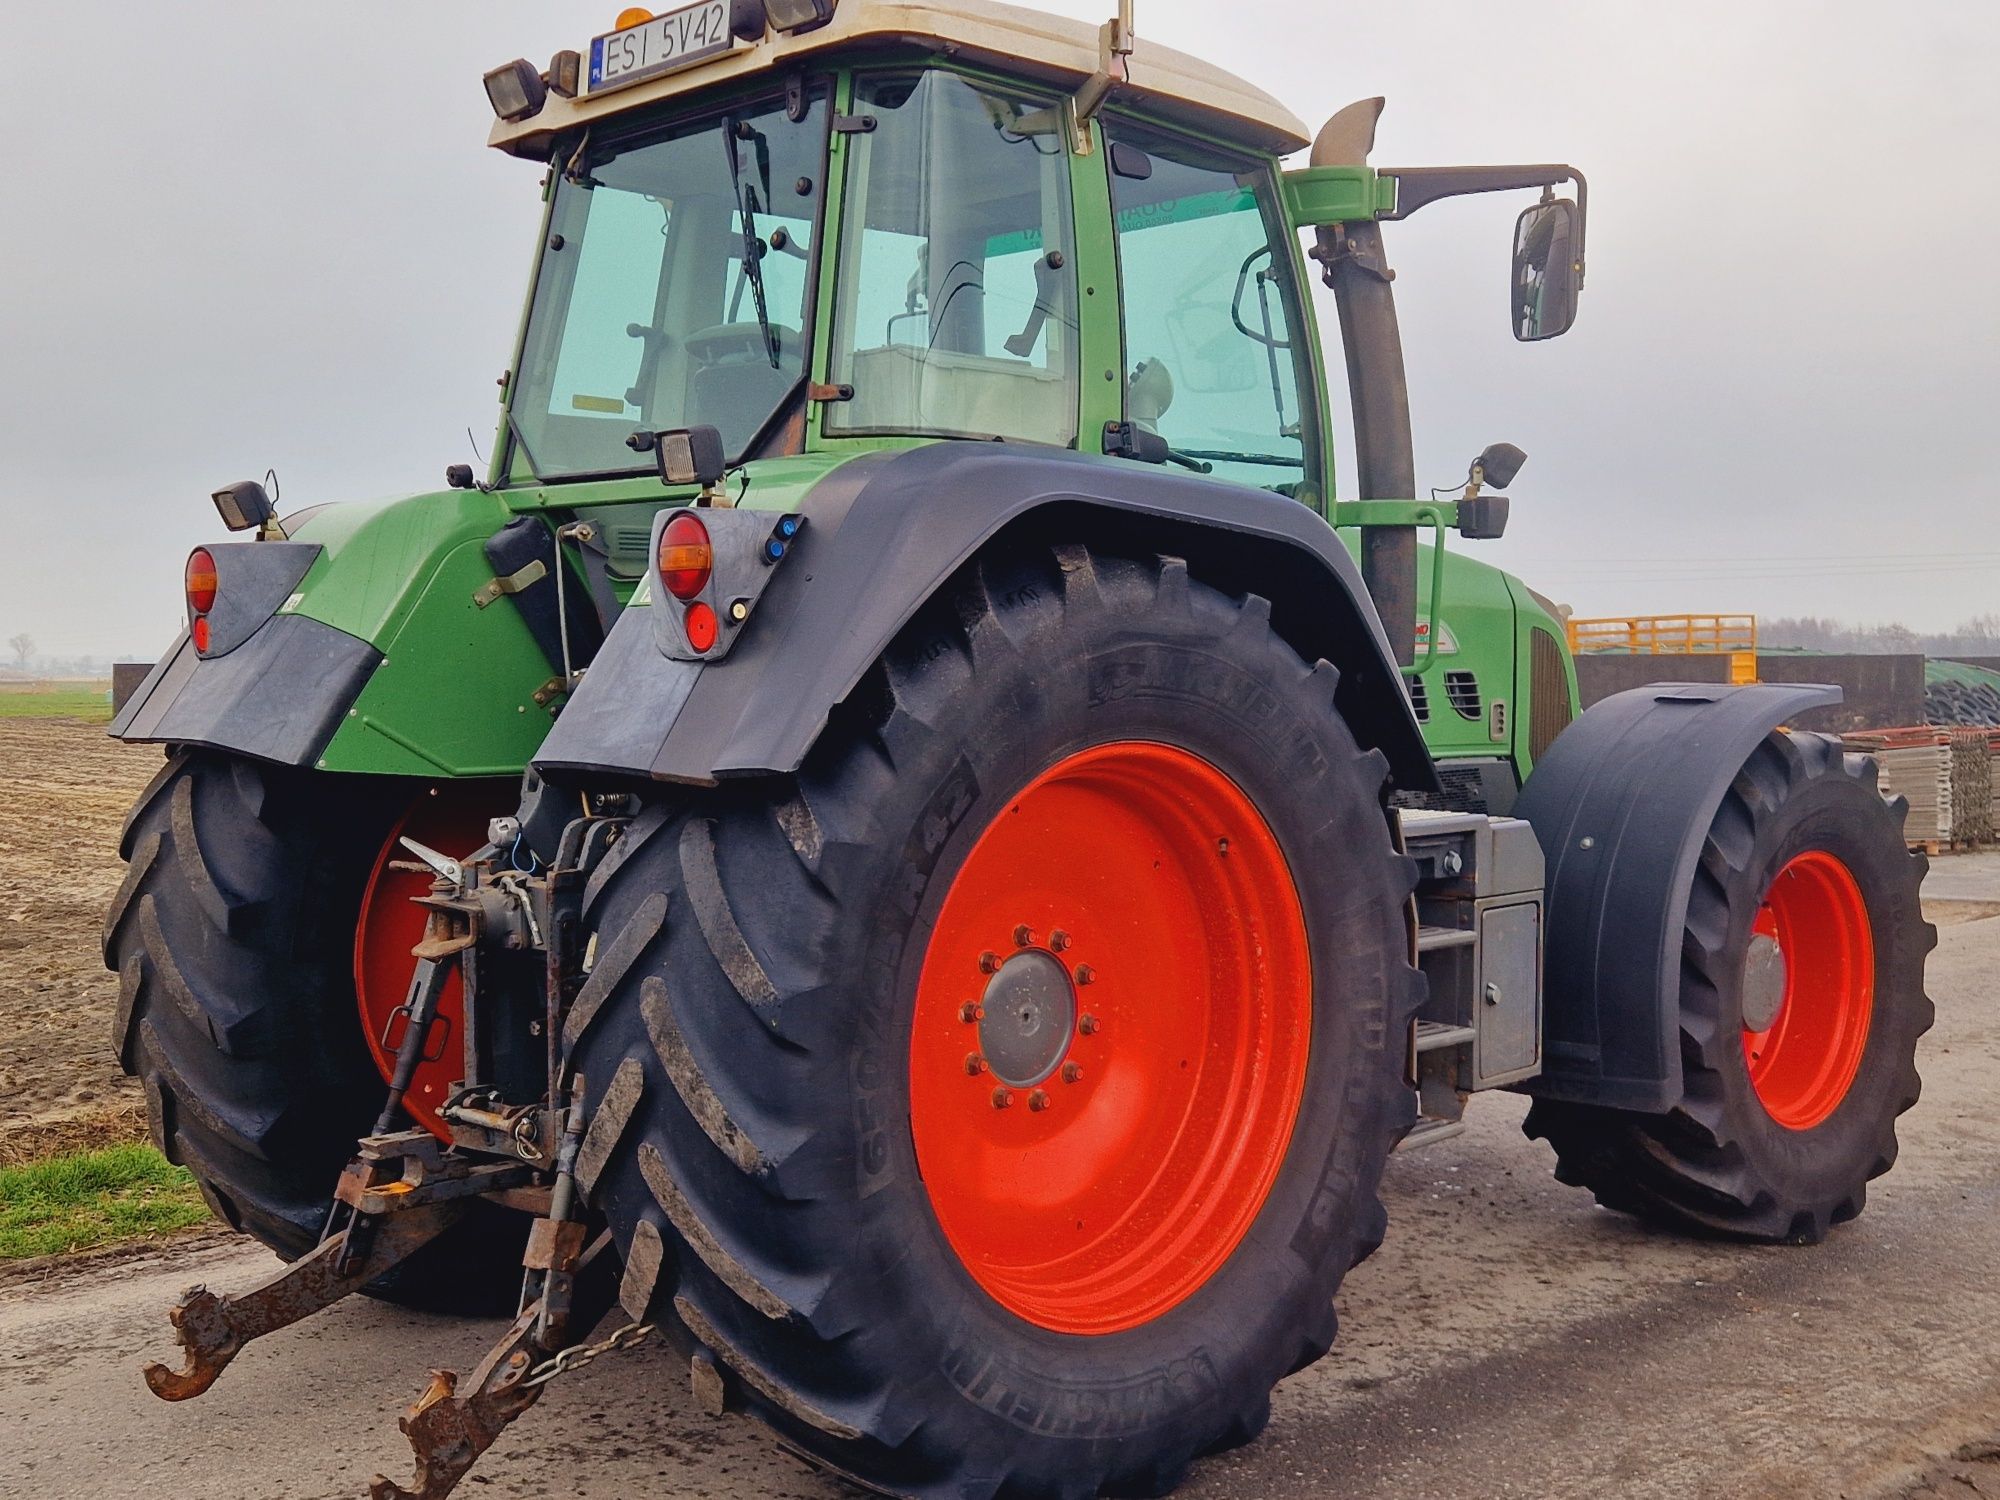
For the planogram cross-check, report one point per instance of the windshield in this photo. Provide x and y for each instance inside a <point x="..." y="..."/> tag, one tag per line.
<point x="673" y="291"/>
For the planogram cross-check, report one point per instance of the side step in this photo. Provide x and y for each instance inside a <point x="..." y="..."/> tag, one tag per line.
<point x="1479" y="945"/>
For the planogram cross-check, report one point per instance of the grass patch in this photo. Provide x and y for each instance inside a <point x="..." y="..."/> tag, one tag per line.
<point x="94" y="1198"/>
<point x="92" y="705"/>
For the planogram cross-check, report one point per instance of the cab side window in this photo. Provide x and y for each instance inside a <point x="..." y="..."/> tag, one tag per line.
<point x="957" y="303"/>
<point x="1212" y="361"/>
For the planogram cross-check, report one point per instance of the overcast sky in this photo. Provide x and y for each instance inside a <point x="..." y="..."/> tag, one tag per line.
<point x="242" y="236"/>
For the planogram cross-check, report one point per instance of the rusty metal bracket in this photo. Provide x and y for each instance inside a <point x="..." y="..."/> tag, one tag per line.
<point x="448" y="1431"/>
<point x="213" y="1330"/>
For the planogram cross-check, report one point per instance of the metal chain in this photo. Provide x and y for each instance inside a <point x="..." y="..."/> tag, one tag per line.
<point x="578" y="1355"/>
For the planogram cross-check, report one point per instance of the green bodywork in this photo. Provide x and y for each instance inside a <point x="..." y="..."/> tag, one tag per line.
<point x="455" y="693"/>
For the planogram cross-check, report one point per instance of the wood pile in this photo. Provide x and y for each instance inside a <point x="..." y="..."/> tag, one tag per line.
<point x="1971" y="786"/>
<point x="1917" y="764"/>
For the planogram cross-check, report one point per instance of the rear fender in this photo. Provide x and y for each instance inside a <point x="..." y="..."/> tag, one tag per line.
<point x="1621" y="804"/>
<point x="359" y="646"/>
<point x="885" y="532"/>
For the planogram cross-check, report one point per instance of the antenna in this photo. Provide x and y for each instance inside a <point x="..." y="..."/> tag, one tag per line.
<point x="1114" y="63"/>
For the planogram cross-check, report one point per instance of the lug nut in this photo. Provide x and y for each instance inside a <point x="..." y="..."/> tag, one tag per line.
<point x="1072" y="1072"/>
<point x="1024" y="936"/>
<point x="989" y="963"/>
<point x="974" y="1064"/>
<point x="1059" y="940"/>
<point x="1087" y="1024"/>
<point x="1002" y="1098"/>
<point x="1085" y="974"/>
<point x="1038" y="1101"/>
<point x="972" y="1010"/>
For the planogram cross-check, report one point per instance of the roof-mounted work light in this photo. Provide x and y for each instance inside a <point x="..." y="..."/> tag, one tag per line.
<point x="798" y="15"/>
<point x="246" y="506"/>
<point x="516" y="90"/>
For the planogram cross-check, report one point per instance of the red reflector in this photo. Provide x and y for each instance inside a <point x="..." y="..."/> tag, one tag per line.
<point x="199" y="632"/>
<point x="686" y="558"/>
<point x="201" y="581"/>
<point x="701" y="627"/>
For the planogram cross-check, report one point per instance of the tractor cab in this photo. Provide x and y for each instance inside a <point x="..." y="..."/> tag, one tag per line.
<point x="837" y="238"/>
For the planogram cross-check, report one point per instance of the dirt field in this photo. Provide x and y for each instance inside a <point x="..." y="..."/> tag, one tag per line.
<point x="64" y="790"/>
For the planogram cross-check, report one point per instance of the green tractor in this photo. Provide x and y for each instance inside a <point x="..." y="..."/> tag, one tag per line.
<point x="902" y="840"/>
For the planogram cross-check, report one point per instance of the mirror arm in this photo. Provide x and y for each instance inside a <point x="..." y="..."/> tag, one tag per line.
<point x="1417" y="187"/>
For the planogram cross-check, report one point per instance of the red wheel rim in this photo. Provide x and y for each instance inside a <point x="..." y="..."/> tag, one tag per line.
<point x="451" y="818"/>
<point x="1093" y="1168"/>
<point x="1804" y="1061"/>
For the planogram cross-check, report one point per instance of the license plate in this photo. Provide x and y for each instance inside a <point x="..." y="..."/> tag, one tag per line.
<point x="678" y="39"/>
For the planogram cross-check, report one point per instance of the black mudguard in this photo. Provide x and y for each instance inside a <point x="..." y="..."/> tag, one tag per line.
<point x="271" y="686"/>
<point x="278" y="697"/>
<point x="885" y="532"/>
<point x="1621" y="804"/>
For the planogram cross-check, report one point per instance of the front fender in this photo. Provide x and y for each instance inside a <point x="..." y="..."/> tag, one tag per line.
<point x="1621" y="804"/>
<point x="885" y="532"/>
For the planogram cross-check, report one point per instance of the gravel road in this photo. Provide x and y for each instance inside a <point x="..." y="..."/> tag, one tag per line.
<point x="1510" y="1339"/>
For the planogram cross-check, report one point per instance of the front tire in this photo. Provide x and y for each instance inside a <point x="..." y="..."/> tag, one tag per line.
<point x="799" y="1134"/>
<point x="1802" y="999"/>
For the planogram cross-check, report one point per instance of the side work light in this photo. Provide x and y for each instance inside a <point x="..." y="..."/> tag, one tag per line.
<point x="516" y="90"/>
<point x="244" y="505"/>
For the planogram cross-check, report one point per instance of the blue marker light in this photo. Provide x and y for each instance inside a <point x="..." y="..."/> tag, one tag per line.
<point x="774" y="549"/>
<point x="789" y="527"/>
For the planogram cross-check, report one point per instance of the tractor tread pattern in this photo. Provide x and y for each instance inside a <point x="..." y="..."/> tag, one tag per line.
<point x="232" y="938"/>
<point x="744" y="1171"/>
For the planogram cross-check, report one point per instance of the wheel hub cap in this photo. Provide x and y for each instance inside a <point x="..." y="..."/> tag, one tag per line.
<point x="1030" y="1014"/>
<point x="1763" y="982"/>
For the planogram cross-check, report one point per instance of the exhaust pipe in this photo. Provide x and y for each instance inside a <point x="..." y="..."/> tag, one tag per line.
<point x="1352" y="262"/>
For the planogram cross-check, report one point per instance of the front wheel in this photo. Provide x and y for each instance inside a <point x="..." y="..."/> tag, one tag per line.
<point x="1802" y="998"/>
<point x="1009" y="1091"/>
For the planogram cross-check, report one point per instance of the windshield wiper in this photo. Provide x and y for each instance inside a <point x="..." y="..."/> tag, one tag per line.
<point x="1270" y="460"/>
<point x="746" y="208"/>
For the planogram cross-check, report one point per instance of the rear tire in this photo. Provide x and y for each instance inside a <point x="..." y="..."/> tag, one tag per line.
<point x="747" y="1040"/>
<point x="1778" y="1142"/>
<point x="233" y="940"/>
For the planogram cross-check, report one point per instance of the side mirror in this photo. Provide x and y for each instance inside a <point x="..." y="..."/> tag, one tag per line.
<point x="1548" y="270"/>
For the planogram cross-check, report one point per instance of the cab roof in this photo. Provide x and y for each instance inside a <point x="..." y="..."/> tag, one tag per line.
<point x="1008" y="38"/>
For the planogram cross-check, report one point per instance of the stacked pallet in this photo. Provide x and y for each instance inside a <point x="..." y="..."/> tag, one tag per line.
<point x="1917" y="764"/>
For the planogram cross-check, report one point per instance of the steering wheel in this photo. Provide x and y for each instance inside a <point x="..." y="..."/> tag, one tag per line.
<point x="740" y="343"/>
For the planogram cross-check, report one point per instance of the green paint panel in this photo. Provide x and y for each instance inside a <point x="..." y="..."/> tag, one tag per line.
<point x="454" y="695"/>
<point x="1337" y="195"/>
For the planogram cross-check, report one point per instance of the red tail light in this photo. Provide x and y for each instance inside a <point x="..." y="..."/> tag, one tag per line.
<point x="686" y="557"/>
<point x="201" y="581"/>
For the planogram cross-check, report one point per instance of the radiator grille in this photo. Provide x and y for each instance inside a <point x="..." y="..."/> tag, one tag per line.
<point x="1549" y="710"/>
<point x="1460" y="789"/>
